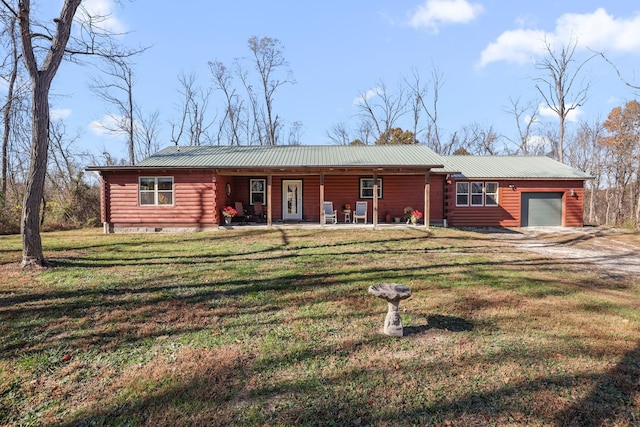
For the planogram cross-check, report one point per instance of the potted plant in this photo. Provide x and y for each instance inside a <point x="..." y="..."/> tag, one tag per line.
<point x="229" y="212"/>
<point x="415" y="216"/>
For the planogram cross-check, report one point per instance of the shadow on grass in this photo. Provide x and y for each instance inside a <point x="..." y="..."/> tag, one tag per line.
<point x="442" y="322"/>
<point x="220" y="393"/>
<point x="613" y="401"/>
<point x="218" y="397"/>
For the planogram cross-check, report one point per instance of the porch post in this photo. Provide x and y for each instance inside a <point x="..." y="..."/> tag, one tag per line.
<point x="322" y="221"/>
<point x="427" y="198"/>
<point x="269" y="203"/>
<point x="375" y="200"/>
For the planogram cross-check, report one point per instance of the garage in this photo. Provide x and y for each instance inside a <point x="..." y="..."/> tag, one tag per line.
<point x="541" y="209"/>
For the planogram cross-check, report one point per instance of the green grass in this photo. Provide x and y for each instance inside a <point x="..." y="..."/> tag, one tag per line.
<point x="255" y="327"/>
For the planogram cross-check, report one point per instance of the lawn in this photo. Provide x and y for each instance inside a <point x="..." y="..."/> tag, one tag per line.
<point x="256" y="327"/>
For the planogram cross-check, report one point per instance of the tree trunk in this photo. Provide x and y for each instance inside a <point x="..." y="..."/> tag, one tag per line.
<point x="7" y="110"/>
<point x="32" y="253"/>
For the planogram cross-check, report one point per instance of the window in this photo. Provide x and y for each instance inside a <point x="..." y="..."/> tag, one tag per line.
<point x="477" y="194"/>
<point x="156" y="191"/>
<point x="491" y="194"/>
<point x="366" y="188"/>
<point x="257" y="189"/>
<point x="462" y="194"/>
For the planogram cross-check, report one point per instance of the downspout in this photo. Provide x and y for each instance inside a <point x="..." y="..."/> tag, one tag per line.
<point x="445" y="204"/>
<point x="375" y="200"/>
<point x="427" y="199"/>
<point x="104" y="212"/>
<point x="322" y="221"/>
<point x="269" y="204"/>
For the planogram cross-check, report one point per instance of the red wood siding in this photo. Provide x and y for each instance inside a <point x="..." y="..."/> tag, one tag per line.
<point x="398" y="192"/>
<point x="508" y="211"/>
<point x="199" y="198"/>
<point x="193" y="200"/>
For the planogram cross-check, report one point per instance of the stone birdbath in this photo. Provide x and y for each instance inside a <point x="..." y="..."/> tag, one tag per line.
<point x="393" y="293"/>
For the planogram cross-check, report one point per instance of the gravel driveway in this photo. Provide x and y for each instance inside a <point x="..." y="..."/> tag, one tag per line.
<point x="613" y="250"/>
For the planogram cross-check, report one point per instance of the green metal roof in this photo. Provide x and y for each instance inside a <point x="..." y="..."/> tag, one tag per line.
<point x="355" y="157"/>
<point x="294" y="156"/>
<point x="510" y="167"/>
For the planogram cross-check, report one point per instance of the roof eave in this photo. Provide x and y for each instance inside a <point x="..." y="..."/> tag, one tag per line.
<point x="258" y="167"/>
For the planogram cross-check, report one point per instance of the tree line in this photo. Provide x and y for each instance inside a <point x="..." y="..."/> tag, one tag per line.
<point x="43" y="183"/>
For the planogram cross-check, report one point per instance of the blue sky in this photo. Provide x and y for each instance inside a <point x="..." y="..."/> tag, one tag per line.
<point x="484" y="49"/>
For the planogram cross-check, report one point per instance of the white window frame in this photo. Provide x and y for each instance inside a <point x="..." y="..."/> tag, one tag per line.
<point x="475" y="193"/>
<point x="488" y="195"/>
<point x="158" y="194"/>
<point x="460" y="193"/>
<point x="364" y="190"/>
<point x="258" y="183"/>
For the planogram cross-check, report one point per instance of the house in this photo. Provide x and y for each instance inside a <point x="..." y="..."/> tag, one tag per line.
<point x="186" y="188"/>
<point x="513" y="191"/>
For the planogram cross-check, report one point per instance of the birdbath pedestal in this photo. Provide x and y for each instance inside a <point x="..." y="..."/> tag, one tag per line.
<point x="393" y="293"/>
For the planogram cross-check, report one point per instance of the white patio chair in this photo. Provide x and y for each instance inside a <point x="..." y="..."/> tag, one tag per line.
<point x="360" y="212"/>
<point x="330" y="213"/>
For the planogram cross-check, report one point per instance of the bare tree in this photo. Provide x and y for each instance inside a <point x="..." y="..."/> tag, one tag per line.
<point x="268" y="58"/>
<point x="77" y="201"/>
<point x="480" y="140"/>
<point x="231" y="122"/>
<point x="14" y="103"/>
<point x="420" y="104"/>
<point x="295" y="133"/>
<point x="585" y="152"/>
<point x="381" y="108"/>
<point x="525" y="117"/>
<point x="43" y="52"/>
<point x="147" y="133"/>
<point x="193" y="124"/>
<point x="559" y="88"/>
<point x="118" y="91"/>
<point x="339" y="134"/>
<point x="625" y="81"/>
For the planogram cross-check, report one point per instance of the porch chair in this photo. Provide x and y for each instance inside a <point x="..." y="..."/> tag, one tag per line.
<point x="243" y="215"/>
<point x="258" y="211"/>
<point x="360" y="212"/>
<point x="330" y="213"/>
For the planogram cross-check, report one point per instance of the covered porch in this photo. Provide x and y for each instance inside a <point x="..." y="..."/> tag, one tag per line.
<point x="298" y="196"/>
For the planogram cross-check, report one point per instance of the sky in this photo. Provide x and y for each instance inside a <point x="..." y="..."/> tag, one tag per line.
<point x="485" y="51"/>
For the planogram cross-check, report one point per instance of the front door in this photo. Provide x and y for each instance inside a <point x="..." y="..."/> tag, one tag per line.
<point x="292" y="199"/>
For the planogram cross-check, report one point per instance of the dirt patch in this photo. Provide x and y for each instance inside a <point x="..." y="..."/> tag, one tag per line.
<point x="614" y="250"/>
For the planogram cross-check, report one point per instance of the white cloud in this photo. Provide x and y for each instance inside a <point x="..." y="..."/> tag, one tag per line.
<point x="572" y="116"/>
<point x="104" y="9"/>
<point x="108" y="125"/>
<point x="518" y="46"/>
<point x="367" y="95"/>
<point x="597" y="30"/>
<point x="434" y="13"/>
<point x="60" y="113"/>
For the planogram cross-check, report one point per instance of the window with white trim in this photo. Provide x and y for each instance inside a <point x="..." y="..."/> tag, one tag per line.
<point x="477" y="193"/>
<point x="156" y="191"/>
<point x="491" y="194"/>
<point x="257" y="190"/>
<point x="462" y="194"/>
<point x="366" y="188"/>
